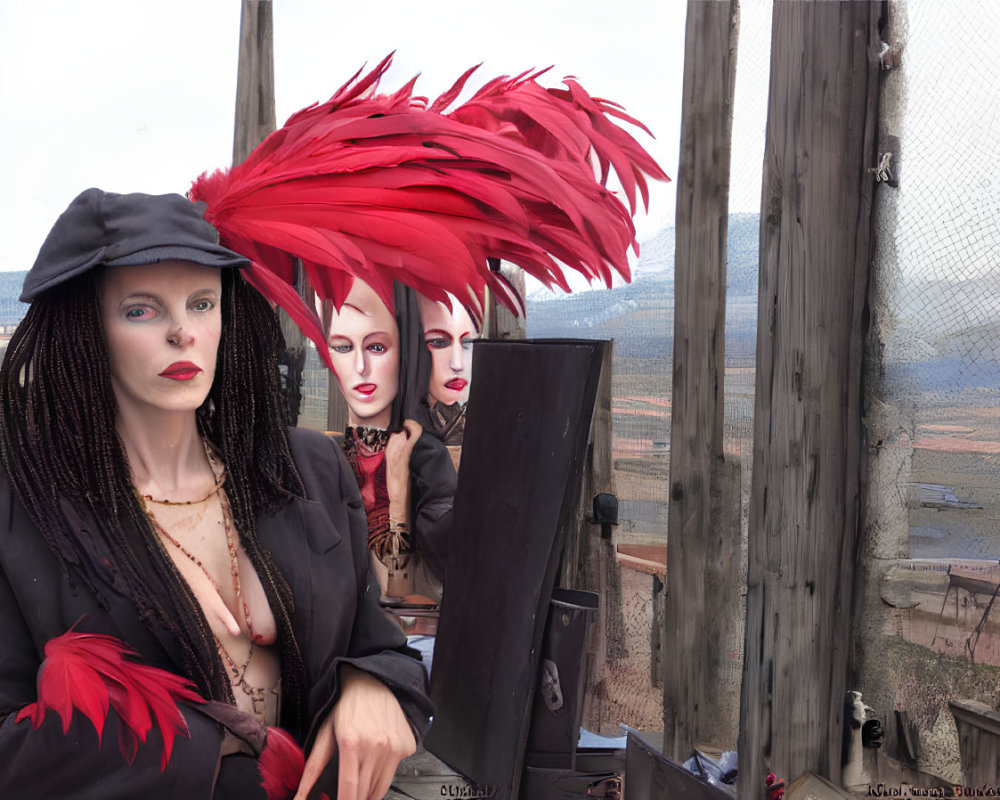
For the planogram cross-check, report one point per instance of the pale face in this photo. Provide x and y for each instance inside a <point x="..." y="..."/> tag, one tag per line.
<point x="162" y="325"/>
<point x="364" y="347"/>
<point x="449" y="335"/>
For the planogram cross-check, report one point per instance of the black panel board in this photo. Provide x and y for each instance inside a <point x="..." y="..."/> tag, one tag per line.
<point x="527" y="427"/>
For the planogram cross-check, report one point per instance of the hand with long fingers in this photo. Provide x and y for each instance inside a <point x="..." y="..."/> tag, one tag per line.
<point x="397" y="467"/>
<point x="397" y="479"/>
<point x="368" y="729"/>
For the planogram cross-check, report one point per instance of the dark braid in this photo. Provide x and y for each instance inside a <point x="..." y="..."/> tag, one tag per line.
<point x="245" y="418"/>
<point x="60" y="449"/>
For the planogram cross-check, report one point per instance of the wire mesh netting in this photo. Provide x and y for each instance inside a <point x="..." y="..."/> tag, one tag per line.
<point x="933" y="545"/>
<point x="939" y="273"/>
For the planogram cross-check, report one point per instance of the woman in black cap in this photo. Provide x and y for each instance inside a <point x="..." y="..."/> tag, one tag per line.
<point x="152" y="494"/>
<point x="156" y="518"/>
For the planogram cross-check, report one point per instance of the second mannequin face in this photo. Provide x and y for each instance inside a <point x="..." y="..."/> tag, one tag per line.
<point x="364" y="347"/>
<point x="448" y="335"/>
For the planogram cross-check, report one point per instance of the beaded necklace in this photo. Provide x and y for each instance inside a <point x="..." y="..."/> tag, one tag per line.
<point x="258" y="695"/>
<point x="218" y="472"/>
<point x="219" y="480"/>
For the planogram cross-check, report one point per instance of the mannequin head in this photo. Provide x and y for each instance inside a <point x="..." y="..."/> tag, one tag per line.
<point x="448" y="336"/>
<point x="363" y="338"/>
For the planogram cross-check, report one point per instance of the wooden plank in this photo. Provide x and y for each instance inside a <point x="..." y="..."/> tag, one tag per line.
<point x="816" y="248"/>
<point x="254" y="120"/>
<point x="696" y="545"/>
<point x="643" y="565"/>
<point x="589" y="561"/>
<point x="336" y="405"/>
<point x="649" y="775"/>
<point x="657" y="651"/>
<point x="647" y="552"/>
<point x="500" y="322"/>
<point x="255" y="117"/>
<point x="580" y="569"/>
<point x="978" y="742"/>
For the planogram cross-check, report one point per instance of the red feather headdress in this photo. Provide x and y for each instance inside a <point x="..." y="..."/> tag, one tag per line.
<point x="389" y="187"/>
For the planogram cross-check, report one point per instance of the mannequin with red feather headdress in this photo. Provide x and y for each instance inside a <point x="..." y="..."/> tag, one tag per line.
<point x="406" y="477"/>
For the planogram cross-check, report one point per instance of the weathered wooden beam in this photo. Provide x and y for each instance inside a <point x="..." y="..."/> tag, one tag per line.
<point x="255" y="117"/>
<point x="336" y="406"/>
<point x="978" y="740"/>
<point x="816" y="248"/>
<point x="702" y="556"/>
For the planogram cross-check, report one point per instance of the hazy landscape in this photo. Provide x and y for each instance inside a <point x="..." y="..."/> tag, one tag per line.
<point x="640" y="318"/>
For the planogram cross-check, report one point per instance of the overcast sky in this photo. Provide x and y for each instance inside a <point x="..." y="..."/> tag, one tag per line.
<point x="132" y="95"/>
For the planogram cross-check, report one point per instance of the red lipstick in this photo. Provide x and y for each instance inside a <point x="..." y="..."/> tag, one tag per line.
<point x="365" y="389"/>
<point x="456" y="384"/>
<point x="181" y="371"/>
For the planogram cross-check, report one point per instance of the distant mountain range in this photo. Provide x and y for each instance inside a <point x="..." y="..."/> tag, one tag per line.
<point x="12" y="310"/>
<point x="640" y="316"/>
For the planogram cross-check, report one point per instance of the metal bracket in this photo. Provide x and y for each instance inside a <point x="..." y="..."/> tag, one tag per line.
<point x="550" y="687"/>
<point x="890" y="56"/>
<point x="882" y="172"/>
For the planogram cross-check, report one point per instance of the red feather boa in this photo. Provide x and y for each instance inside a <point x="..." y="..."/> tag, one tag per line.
<point x="93" y="673"/>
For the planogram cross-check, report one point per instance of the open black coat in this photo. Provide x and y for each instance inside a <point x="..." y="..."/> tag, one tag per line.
<point x="319" y="544"/>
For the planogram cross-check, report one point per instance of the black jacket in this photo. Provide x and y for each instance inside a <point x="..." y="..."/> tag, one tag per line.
<point x="319" y="544"/>
<point x="434" y="483"/>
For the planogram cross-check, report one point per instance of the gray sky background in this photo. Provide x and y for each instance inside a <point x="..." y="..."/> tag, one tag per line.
<point x="139" y="96"/>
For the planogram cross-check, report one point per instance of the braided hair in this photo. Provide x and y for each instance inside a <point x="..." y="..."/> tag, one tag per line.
<point x="60" y="449"/>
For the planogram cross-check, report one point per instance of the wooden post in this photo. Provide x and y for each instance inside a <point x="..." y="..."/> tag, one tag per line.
<point x="500" y="322"/>
<point x="336" y="406"/>
<point x="816" y="247"/>
<point x="701" y="556"/>
<point x="254" y="78"/>
<point x="255" y="119"/>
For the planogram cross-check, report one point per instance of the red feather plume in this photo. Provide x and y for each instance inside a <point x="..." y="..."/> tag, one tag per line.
<point x="281" y="765"/>
<point x="388" y="187"/>
<point x="92" y="673"/>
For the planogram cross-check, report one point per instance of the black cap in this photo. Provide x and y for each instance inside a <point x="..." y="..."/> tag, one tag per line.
<point x="121" y="230"/>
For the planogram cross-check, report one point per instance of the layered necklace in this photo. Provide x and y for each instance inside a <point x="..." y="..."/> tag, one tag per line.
<point x="265" y="701"/>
